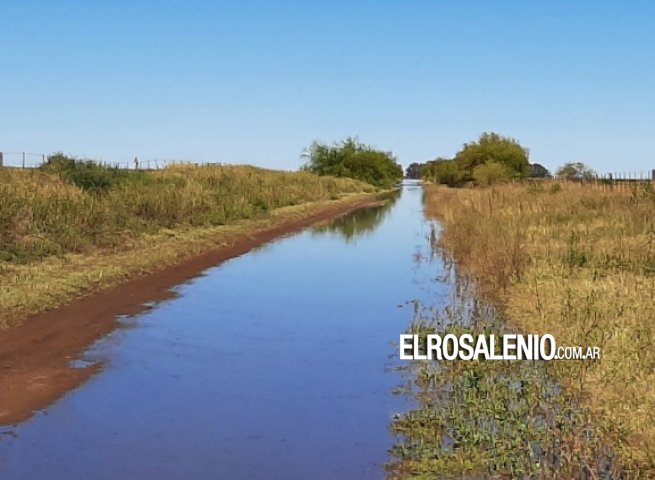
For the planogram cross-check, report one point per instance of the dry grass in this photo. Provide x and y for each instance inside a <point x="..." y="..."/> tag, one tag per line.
<point x="38" y="286"/>
<point x="45" y="213"/>
<point x="59" y="241"/>
<point x="578" y="262"/>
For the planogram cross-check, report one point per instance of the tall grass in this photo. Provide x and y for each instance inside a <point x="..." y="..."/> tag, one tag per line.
<point x="578" y="262"/>
<point x="71" y="206"/>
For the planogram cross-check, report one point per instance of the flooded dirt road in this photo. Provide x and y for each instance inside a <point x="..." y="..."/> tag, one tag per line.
<point x="272" y="365"/>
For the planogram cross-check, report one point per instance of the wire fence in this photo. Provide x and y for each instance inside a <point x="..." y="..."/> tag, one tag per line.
<point x="22" y="159"/>
<point x="35" y="160"/>
<point x="621" y="181"/>
<point x="643" y="176"/>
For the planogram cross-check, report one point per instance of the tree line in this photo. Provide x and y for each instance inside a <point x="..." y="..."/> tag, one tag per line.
<point x="491" y="159"/>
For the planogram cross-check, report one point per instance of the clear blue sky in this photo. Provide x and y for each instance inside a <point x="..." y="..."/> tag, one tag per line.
<point x="256" y="82"/>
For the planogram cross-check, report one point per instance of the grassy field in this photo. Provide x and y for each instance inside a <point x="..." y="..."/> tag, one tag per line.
<point x="578" y="262"/>
<point x="71" y="227"/>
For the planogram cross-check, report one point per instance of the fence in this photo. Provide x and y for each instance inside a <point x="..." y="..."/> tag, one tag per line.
<point x="622" y="181"/>
<point x="22" y="159"/>
<point x="35" y="160"/>
<point x="625" y="177"/>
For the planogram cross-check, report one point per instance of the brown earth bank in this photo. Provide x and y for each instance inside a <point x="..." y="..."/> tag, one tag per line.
<point x="35" y="356"/>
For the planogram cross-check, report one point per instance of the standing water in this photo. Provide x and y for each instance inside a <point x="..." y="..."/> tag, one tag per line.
<point x="273" y="365"/>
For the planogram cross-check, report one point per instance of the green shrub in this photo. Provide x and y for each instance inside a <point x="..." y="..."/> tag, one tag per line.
<point x="491" y="173"/>
<point x="494" y="148"/>
<point x="446" y="172"/>
<point x="352" y="159"/>
<point x="89" y="175"/>
<point x="489" y="160"/>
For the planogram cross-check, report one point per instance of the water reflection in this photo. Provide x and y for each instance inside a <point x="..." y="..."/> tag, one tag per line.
<point x="487" y="419"/>
<point x="273" y="365"/>
<point x="362" y="221"/>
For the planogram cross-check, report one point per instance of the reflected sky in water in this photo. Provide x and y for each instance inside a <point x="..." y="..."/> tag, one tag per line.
<point x="273" y="365"/>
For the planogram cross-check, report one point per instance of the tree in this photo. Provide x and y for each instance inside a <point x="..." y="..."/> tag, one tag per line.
<point x="350" y="158"/>
<point x="539" y="171"/>
<point x="413" y="170"/>
<point x="492" y="147"/>
<point x="575" y="171"/>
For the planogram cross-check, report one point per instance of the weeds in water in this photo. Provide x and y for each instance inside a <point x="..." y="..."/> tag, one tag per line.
<point x="576" y="261"/>
<point x="491" y="419"/>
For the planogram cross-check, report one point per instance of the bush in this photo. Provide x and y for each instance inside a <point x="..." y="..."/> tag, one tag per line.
<point x="87" y="174"/>
<point x="491" y="159"/>
<point x="446" y="172"/>
<point x="491" y="173"/>
<point x="353" y="159"/>
<point x="492" y="147"/>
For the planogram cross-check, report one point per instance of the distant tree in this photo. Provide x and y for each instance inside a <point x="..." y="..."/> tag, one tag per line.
<point x="350" y="158"/>
<point x="575" y="171"/>
<point x="538" y="171"/>
<point x="413" y="170"/>
<point x="492" y="147"/>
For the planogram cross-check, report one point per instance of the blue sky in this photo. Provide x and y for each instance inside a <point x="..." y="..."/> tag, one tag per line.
<point x="256" y="82"/>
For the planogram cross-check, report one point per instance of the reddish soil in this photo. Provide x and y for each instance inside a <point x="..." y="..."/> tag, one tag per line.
<point x="35" y="357"/>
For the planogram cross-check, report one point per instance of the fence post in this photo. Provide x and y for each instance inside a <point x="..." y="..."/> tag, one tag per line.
<point x="652" y="174"/>
<point x="2" y="160"/>
<point x="23" y="159"/>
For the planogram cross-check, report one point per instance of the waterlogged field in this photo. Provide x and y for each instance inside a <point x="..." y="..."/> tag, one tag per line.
<point x="570" y="260"/>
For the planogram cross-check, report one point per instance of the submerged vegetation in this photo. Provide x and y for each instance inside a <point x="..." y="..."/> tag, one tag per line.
<point x="573" y="260"/>
<point x="489" y="419"/>
<point x="353" y="159"/>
